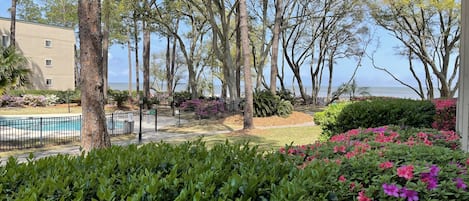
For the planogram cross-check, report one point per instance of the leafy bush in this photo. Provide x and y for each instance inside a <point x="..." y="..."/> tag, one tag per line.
<point x="284" y="108"/>
<point x="286" y="95"/>
<point x="267" y="104"/>
<point x="11" y="101"/>
<point x="388" y="163"/>
<point x="51" y="99"/>
<point x="204" y="108"/>
<point x="180" y="97"/>
<point x="167" y="172"/>
<point x="445" y="117"/>
<point x="379" y="112"/>
<point x="327" y="118"/>
<point x="119" y="96"/>
<point x="34" y="101"/>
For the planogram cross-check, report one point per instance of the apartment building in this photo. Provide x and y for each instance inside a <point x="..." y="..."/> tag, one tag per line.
<point x="49" y="50"/>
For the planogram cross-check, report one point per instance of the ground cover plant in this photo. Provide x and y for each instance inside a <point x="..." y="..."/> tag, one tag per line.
<point x="389" y="163"/>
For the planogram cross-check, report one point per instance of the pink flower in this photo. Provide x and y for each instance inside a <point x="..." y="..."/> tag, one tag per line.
<point x="342" y="178"/>
<point x="349" y="155"/>
<point x="339" y="149"/>
<point x="386" y="165"/>
<point x="405" y="171"/>
<point x="362" y="196"/>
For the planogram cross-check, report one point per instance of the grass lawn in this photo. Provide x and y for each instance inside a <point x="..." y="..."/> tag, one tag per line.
<point x="269" y="139"/>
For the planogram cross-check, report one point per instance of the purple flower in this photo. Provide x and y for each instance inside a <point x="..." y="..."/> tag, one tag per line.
<point x="434" y="170"/>
<point x="409" y="194"/>
<point x="391" y="190"/>
<point x="460" y="184"/>
<point x="432" y="184"/>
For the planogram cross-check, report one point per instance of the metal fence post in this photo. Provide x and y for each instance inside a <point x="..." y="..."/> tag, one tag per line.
<point x="156" y="120"/>
<point x="81" y="125"/>
<point x="112" y="123"/>
<point x="40" y="131"/>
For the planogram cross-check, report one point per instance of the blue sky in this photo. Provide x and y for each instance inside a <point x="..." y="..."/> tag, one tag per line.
<point x="366" y="75"/>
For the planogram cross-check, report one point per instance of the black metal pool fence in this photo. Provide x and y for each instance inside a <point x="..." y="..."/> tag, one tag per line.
<point x="31" y="132"/>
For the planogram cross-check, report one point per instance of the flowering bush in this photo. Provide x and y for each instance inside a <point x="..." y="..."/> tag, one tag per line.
<point x="33" y="100"/>
<point x="445" y="117"/>
<point x="11" y="101"/>
<point x="204" y="108"/>
<point x="388" y="163"/>
<point x="51" y="99"/>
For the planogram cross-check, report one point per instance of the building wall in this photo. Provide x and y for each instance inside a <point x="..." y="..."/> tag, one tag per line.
<point x="31" y="41"/>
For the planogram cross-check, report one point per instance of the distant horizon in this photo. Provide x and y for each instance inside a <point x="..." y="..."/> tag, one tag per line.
<point x="288" y="85"/>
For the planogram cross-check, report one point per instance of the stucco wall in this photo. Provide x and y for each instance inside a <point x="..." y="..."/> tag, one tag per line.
<point x="30" y="40"/>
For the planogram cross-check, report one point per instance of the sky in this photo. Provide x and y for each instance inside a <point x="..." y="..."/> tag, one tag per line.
<point x="366" y="75"/>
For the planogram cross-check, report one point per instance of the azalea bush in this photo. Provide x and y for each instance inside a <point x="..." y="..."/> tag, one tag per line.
<point x="389" y="163"/>
<point x="11" y="101"/>
<point x="34" y="100"/>
<point x="204" y="108"/>
<point x="445" y="117"/>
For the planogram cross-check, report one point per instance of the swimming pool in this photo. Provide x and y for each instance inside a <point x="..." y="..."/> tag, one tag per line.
<point x="70" y="123"/>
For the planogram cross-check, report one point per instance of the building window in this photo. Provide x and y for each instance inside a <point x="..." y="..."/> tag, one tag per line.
<point x="48" y="62"/>
<point x="47" y="43"/>
<point x="49" y="82"/>
<point x="5" y="41"/>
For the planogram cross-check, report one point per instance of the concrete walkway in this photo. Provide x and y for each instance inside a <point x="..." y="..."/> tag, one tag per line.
<point x="148" y="135"/>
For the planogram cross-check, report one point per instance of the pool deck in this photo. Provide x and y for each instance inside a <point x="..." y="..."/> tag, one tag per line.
<point x="148" y="135"/>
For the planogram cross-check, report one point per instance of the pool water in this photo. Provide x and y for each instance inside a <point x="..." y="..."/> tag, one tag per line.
<point x="51" y="124"/>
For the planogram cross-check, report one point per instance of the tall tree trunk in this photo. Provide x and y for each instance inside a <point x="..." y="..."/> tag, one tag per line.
<point x="129" y="58"/>
<point x="13" y="24"/>
<point x="146" y="63"/>
<point x="248" y="107"/>
<point x="106" y="23"/>
<point x="94" y="130"/>
<point x="137" y="76"/>
<point x="276" y="36"/>
<point x="169" y="75"/>
<point x="329" y="83"/>
<point x="238" y="53"/>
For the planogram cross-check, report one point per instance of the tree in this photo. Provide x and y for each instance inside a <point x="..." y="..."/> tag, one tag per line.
<point x="248" y="107"/>
<point x="13" y="70"/>
<point x="29" y="11"/>
<point x="106" y="26"/>
<point x="429" y="33"/>
<point x="60" y="12"/>
<point x="219" y="14"/>
<point x="275" y="41"/>
<point x="94" y="130"/>
<point x="13" y="24"/>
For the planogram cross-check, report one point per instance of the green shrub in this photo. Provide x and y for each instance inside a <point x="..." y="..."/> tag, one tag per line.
<point x="379" y="112"/>
<point x="119" y="96"/>
<point x="188" y="171"/>
<point x="284" y="108"/>
<point x="180" y="97"/>
<point x="327" y="118"/>
<point x="267" y="104"/>
<point x="286" y="95"/>
<point x="62" y="96"/>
